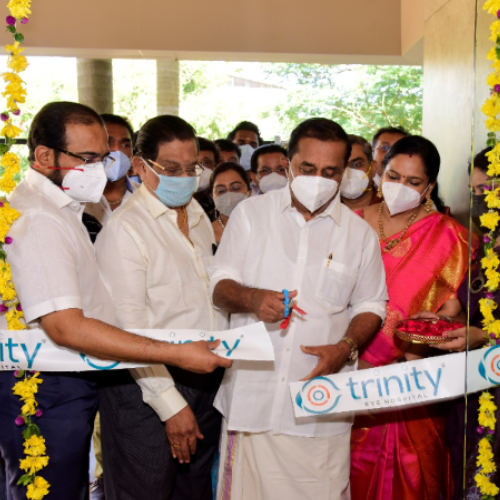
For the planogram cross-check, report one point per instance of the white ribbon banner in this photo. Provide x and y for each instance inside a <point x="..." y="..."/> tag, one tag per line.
<point x="33" y="350"/>
<point x="401" y="384"/>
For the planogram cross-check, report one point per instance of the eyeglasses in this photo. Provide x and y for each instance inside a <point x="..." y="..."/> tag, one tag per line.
<point x="89" y="159"/>
<point x="208" y="164"/>
<point x="266" y="171"/>
<point x="174" y="170"/>
<point x="384" y="147"/>
<point x="357" y="164"/>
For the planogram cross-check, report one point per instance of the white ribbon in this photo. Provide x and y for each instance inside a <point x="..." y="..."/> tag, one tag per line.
<point x="33" y="350"/>
<point x="401" y="384"/>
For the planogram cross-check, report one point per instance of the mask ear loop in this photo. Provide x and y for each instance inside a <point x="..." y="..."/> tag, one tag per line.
<point x="150" y="168"/>
<point x="366" y="175"/>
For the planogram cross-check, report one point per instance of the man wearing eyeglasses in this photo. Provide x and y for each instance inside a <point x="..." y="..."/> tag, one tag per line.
<point x="382" y="141"/>
<point x="159" y="427"/>
<point x="266" y="169"/>
<point x="61" y="290"/>
<point x="357" y="187"/>
<point x="302" y="240"/>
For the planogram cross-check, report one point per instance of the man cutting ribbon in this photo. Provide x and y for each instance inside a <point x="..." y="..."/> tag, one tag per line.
<point x="301" y="240"/>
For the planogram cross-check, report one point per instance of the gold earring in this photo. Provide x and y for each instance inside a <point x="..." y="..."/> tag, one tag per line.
<point x="429" y="205"/>
<point x="379" y="191"/>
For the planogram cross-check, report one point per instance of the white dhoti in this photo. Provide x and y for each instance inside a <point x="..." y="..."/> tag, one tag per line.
<point x="261" y="466"/>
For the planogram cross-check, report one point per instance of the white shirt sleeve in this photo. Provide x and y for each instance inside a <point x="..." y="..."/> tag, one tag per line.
<point x="370" y="292"/>
<point x="230" y="256"/>
<point x="44" y="265"/>
<point x="121" y="258"/>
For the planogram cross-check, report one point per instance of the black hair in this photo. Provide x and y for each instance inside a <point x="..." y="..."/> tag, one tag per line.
<point x="119" y="120"/>
<point x="264" y="150"/>
<point x="388" y="130"/>
<point x="428" y="153"/>
<point x="224" y="167"/>
<point x="245" y="126"/>
<point x="322" y="129"/>
<point x="481" y="160"/>
<point x="161" y="129"/>
<point x="49" y="125"/>
<point x="367" y="147"/>
<point x="228" y="146"/>
<point x="206" y="145"/>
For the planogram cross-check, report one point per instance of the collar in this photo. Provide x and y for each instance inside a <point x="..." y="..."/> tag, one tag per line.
<point x="48" y="188"/>
<point x="333" y="210"/>
<point x="156" y="208"/>
<point x="129" y="184"/>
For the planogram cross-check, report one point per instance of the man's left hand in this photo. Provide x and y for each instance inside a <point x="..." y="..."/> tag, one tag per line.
<point x="331" y="358"/>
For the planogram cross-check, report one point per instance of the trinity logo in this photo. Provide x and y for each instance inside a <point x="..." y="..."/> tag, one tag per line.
<point x="318" y="396"/>
<point x="106" y="365"/>
<point x="489" y="365"/>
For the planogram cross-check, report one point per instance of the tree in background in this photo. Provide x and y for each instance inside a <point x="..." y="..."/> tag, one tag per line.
<point x="361" y="98"/>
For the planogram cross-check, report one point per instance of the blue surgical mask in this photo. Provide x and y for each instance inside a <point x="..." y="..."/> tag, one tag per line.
<point x="120" y="166"/>
<point x="174" y="191"/>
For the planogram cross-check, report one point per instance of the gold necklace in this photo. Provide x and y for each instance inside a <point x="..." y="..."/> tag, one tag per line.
<point x="389" y="245"/>
<point x="117" y="202"/>
<point x="185" y="217"/>
<point x="221" y="223"/>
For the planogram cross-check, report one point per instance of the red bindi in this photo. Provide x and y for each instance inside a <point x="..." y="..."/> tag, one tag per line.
<point x="411" y="156"/>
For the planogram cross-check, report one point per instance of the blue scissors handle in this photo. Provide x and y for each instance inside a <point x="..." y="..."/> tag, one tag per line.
<point x="286" y="301"/>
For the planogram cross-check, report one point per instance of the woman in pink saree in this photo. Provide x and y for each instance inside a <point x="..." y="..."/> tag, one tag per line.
<point x="402" y="454"/>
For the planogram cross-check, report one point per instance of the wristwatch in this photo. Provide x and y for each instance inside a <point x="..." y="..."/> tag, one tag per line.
<point x="353" y="356"/>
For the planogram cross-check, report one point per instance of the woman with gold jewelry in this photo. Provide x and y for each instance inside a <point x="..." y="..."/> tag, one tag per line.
<point x="402" y="453"/>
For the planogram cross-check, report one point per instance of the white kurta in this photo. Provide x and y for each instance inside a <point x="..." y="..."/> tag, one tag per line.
<point x="268" y="244"/>
<point x="51" y="257"/>
<point x="158" y="279"/>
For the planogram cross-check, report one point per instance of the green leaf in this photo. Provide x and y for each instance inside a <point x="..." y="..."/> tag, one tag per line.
<point x="28" y="432"/>
<point x="12" y="29"/>
<point x="36" y="430"/>
<point x="26" y="479"/>
<point x="497" y="50"/>
<point x="19" y="37"/>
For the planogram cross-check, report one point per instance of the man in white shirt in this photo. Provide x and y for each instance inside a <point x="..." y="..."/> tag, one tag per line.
<point x="153" y="255"/>
<point x="59" y="286"/>
<point x="118" y="188"/>
<point x="301" y="239"/>
<point x="266" y="169"/>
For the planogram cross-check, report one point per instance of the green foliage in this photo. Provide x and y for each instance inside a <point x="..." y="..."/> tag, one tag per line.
<point x="361" y="98"/>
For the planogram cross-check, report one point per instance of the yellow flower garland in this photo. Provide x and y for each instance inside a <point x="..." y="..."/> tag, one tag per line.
<point x="10" y="169"/>
<point x="490" y="263"/>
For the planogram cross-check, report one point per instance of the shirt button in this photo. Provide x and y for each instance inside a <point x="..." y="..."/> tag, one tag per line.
<point x="287" y="349"/>
<point x="283" y="379"/>
<point x="301" y="260"/>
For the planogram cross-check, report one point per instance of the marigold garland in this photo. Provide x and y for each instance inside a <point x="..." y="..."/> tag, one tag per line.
<point x="10" y="174"/>
<point x="490" y="263"/>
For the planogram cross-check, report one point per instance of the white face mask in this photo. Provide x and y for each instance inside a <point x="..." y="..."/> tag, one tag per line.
<point x="227" y="202"/>
<point x="354" y="183"/>
<point x="246" y="156"/>
<point x="376" y="180"/>
<point x="400" y="198"/>
<point x="204" y="179"/>
<point x="85" y="183"/>
<point x="313" y="191"/>
<point x="272" y="181"/>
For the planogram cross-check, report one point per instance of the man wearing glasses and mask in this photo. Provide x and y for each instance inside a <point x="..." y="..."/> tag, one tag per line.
<point x="298" y="243"/>
<point x="61" y="291"/>
<point x="153" y="255"/>
<point x="266" y="171"/>
<point x="357" y="188"/>
<point x="382" y="141"/>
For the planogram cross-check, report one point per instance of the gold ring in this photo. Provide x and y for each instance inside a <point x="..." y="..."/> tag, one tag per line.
<point x="176" y="446"/>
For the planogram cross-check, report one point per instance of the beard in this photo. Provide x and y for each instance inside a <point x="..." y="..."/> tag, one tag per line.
<point x="56" y="175"/>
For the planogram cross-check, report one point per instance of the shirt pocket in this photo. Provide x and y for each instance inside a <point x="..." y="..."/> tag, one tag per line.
<point x="335" y="285"/>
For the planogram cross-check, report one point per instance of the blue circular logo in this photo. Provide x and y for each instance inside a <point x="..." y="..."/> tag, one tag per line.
<point x="318" y="396"/>
<point x="106" y="365"/>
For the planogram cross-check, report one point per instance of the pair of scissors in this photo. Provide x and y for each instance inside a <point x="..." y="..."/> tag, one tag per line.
<point x="288" y="310"/>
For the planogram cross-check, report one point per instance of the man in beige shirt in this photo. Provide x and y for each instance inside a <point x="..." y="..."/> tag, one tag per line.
<point x="153" y="255"/>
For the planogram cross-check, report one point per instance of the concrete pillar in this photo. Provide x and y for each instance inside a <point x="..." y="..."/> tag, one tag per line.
<point x="95" y="84"/>
<point x="449" y="43"/>
<point x="167" y="87"/>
